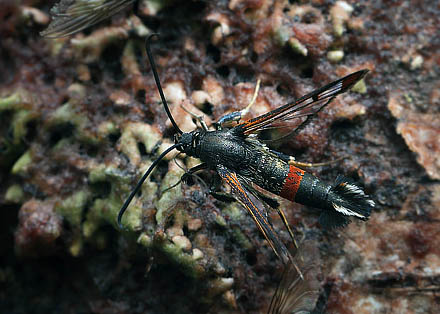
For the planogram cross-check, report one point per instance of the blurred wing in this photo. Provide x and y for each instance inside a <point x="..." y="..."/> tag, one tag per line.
<point x="293" y="294"/>
<point x="71" y="16"/>
<point x="302" y="107"/>
<point x="259" y="217"/>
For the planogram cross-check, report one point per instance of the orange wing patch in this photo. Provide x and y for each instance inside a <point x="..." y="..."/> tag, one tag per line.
<point x="237" y="188"/>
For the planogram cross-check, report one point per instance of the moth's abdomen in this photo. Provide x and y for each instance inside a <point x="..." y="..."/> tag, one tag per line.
<point x="292" y="183"/>
<point x="339" y="201"/>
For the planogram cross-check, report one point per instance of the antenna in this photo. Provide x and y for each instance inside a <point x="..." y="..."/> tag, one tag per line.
<point x="141" y="181"/>
<point x="159" y="87"/>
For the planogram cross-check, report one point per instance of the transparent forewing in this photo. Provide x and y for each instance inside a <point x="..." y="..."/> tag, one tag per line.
<point x="259" y="215"/>
<point x="71" y="16"/>
<point x="295" y="294"/>
<point x="302" y="107"/>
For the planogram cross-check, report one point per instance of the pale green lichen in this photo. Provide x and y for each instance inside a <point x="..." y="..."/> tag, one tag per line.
<point x="175" y="253"/>
<point x="145" y="240"/>
<point x="21" y="166"/>
<point x="408" y="98"/>
<point x="98" y="174"/>
<point x="76" y="245"/>
<point x="219" y="285"/>
<point x="169" y="198"/>
<point x="107" y="128"/>
<point x="130" y="66"/>
<point x="62" y="145"/>
<point x="132" y="134"/>
<point x="154" y="6"/>
<point x="138" y="27"/>
<point x="416" y="62"/>
<point x="220" y="220"/>
<point x="19" y="122"/>
<point x="241" y="238"/>
<point x="197" y="254"/>
<point x="282" y="35"/>
<point x="234" y="211"/>
<point x="90" y="48"/>
<point x="360" y="87"/>
<point x="67" y="114"/>
<point x="18" y="108"/>
<point x="182" y="242"/>
<point x="297" y="46"/>
<point x="105" y="210"/>
<point x="179" y="220"/>
<point x="56" y="45"/>
<point x="11" y="102"/>
<point x="340" y="13"/>
<point x="72" y="207"/>
<point x="335" y="56"/>
<point x="14" y="194"/>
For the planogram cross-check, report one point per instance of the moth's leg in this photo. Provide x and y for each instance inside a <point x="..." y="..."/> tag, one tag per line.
<point x="215" y="183"/>
<point x="193" y="170"/>
<point x="184" y="178"/>
<point x="286" y="224"/>
<point x="300" y="164"/>
<point x="273" y="203"/>
<point x="237" y="115"/>
<point x="197" y="117"/>
<point x="223" y="197"/>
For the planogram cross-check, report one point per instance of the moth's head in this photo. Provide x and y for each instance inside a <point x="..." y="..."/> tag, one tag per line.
<point x="188" y="142"/>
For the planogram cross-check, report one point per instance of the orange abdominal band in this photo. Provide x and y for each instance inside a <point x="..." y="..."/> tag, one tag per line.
<point x="291" y="183"/>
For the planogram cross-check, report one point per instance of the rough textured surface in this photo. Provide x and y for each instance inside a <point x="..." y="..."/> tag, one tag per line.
<point x="81" y="120"/>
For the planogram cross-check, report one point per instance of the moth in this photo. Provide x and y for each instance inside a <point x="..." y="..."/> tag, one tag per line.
<point x="242" y="161"/>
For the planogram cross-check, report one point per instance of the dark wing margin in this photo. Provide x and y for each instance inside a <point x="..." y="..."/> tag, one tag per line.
<point x="304" y="106"/>
<point x="263" y="224"/>
<point x="71" y="16"/>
